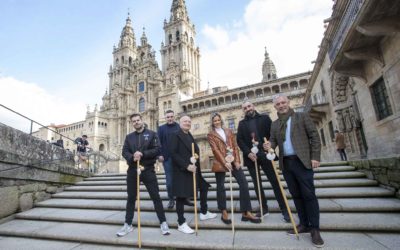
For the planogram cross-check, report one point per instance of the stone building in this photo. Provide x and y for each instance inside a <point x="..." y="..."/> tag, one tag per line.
<point x="355" y="84"/>
<point x="137" y="84"/>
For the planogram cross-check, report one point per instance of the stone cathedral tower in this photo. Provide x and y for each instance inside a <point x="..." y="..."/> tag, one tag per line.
<point x="180" y="60"/>
<point x="268" y="68"/>
<point x="134" y="80"/>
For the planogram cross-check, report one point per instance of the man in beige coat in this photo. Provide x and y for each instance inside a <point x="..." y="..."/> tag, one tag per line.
<point x="299" y="153"/>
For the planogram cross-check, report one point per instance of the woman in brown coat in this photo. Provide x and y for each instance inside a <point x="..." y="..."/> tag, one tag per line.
<point x="220" y="139"/>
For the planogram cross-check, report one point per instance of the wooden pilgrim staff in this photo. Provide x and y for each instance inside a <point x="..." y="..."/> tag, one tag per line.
<point x="271" y="156"/>
<point x="229" y="159"/>
<point x="193" y="160"/>
<point x="254" y="150"/>
<point x="139" y="168"/>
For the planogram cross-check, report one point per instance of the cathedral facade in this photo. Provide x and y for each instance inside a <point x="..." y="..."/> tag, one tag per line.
<point x="138" y="85"/>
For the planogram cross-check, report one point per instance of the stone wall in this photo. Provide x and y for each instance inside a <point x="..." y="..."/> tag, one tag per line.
<point x="385" y="170"/>
<point x="31" y="170"/>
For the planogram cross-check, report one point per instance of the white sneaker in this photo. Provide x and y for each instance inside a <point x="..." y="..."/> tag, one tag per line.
<point x="184" y="228"/>
<point x="125" y="230"/>
<point x="164" y="228"/>
<point x="207" y="216"/>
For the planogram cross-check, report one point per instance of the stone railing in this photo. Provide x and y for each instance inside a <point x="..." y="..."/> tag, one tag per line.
<point x="31" y="170"/>
<point x="385" y="170"/>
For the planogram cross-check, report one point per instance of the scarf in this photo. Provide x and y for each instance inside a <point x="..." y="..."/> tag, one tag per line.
<point x="283" y="118"/>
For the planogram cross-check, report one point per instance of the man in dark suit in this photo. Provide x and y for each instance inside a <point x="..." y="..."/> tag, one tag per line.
<point x="257" y="126"/>
<point x="299" y="150"/>
<point x="182" y="174"/>
<point x="142" y="145"/>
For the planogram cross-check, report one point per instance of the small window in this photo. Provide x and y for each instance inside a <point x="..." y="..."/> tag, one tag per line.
<point x="380" y="99"/>
<point x="141" y="86"/>
<point x="321" y="132"/>
<point x="231" y="123"/>
<point x="141" y="105"/>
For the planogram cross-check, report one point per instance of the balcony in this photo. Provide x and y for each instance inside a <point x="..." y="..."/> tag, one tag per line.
<point x="317" y="107"/>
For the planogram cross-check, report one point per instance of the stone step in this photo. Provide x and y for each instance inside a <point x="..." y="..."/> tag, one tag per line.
<point x="389" y="222"/>
<point x="354" y="192"/>
<point x="19" y="243"/>
<point x="161" y="180"/>
<point x="110" y="186"/>
<point x="104" y="234"/>
<point x="325" y="204"/>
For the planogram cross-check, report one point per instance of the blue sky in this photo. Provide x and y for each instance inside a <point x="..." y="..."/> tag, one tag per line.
<point x="56" y="53"/>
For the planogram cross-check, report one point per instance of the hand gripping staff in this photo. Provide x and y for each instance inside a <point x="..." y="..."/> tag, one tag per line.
<point x="254" y="150"/>
<point x="271" y="156"/>
<point x="139" y="168"/>
<point x="193" y="160"/>
<point x="229" y="159"/>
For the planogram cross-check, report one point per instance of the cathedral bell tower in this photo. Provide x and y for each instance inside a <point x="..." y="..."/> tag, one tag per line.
<point x="268" y="68"/>
<point x="180" y="58"/>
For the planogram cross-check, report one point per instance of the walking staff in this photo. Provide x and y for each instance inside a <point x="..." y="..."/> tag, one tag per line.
<point x="254" y="150"/>
<point x="229" y="158"/>
<point x="193" y="160"/>
<point x="139" y="170"/>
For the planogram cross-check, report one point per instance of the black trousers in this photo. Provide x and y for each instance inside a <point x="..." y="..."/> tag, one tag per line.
<point x="300" y="181"/>
<point x="268" y="170"/>
<point x="180" y="201"/>
<point x="149" y="179"/>
<point x="244" y="195"/>
<point x="342" y="153"/>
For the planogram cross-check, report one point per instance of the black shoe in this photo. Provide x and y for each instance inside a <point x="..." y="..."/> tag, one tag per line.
<point x="225" y="218"/>
<point x="300" y="230"/>
<point x="247" y="216"/>
<point x="171" y="204"/>
<point x="316" y="238"/>
<point x="286" y="217"/>
<point x="188" y="203"/>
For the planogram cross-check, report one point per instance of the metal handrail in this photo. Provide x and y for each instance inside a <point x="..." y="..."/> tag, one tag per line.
<point x="33" y="121"/>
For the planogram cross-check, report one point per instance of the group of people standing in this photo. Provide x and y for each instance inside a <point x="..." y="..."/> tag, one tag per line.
<point x="293" y="133"/>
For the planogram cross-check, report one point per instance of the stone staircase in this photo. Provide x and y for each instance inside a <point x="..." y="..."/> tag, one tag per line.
<point x="356" y="213"/>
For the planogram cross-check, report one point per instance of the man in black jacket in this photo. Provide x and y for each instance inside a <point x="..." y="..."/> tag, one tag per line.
<point x="143" y="146"/>
<point x="182" y="172"/>
<point x="255" y="127"/>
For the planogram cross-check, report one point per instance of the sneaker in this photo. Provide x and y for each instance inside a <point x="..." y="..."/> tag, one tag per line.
<point x="300" y="230"/>
<point x="316" y="238"/>
<point x="285" y="216"/>
<point x="207" y="216"/>
<point x="125" y="230"/>
<point x="164" y="228"/>
<point x="184" y="228"/>
<point x="171" y="204"/>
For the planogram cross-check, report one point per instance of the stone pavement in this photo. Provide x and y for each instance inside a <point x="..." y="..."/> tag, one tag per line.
<point x="356" y="213"/>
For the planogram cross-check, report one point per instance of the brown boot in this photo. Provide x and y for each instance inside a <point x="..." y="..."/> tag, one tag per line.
<point x="225" y="217"/>
<point x="248" y="216"/>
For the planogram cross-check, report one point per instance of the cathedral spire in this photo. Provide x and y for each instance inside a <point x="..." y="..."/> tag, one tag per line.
<point x="127" y="35"/>
<point x="268" y="68"/>
<point x="143" y="39"/>
<point x="178" y="10"/>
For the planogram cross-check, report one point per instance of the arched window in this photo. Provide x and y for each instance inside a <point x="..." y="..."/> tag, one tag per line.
<point x="170" y="39"/>
<point x="141" y="104"/>
<point x="148" y="73"/>
<point x="101" y="147"/>
<point x="177" y="36"/>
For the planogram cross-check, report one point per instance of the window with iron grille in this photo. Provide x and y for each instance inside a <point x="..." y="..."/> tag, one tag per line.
<point x="381" y="100"/>
<point x="141" y="104"/>
<point x="321" y="132"/>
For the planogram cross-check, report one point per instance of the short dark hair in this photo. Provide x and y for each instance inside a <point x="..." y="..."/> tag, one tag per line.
<point x="134" y="115"/>
<point x="169" y="111"/>
<point x="336" y="131"/>
<point x="84" y="136"/>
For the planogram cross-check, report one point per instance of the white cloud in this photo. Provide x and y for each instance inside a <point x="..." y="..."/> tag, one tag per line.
<point x="291" y="30"/>
<point x="35" y="103"/>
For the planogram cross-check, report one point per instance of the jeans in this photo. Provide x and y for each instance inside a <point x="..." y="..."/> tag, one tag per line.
<point x="168" y="176"/>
